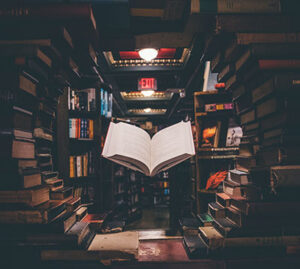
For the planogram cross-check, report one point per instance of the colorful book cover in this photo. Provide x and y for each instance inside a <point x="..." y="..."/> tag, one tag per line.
<point x="219" y="106"/>
<point x="228" y="106"/>
<point x="234" y="135"/>
<point x="210" y="108"/>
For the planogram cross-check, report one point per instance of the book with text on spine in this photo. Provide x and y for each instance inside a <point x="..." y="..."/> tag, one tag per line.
<point x="133" y="147"/>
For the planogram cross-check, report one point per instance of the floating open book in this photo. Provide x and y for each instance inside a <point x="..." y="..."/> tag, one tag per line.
<point x="133" y="147"/>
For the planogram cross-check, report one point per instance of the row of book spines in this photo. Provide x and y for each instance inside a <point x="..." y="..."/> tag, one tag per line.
<point x="82" y="100"/>
<point x="162" y="184"/>
<point x="81" y="128"/>
<point x="244" y="6"/>
<point x="106" y="103"/>
<point x="81" y="165"/>
<point x="218" y="107"/>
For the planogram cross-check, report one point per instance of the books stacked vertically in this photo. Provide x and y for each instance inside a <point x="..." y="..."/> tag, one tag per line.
<point x="82" y="100"/>
<point x="82" y="165"/>
<point x="106" y="103"/>
<point x="81" y="128"/>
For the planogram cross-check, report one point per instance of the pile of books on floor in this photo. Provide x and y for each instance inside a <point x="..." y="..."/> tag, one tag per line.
<point x="257" y="214"/>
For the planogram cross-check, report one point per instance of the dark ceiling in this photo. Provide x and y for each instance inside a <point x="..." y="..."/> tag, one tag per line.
<point x="130" y="25"/>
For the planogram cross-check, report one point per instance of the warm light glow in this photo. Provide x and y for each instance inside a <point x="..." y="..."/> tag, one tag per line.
<point x="148" y="54"/>
<point x="147" y="110"/>
<point x="147" y="93"/>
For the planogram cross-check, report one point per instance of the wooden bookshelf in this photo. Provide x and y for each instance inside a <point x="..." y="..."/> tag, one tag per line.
<point x="90" y="184"/>
<point x="214" y="157"/>
<point x="123" y="190"/>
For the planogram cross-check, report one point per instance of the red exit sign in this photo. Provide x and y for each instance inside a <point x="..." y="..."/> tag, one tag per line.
<point x="147" y="84"/>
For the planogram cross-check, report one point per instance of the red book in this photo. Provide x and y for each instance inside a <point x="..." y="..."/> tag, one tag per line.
<point x="76" y="128"/>
<point x="79" y="128"/>
<point x="278" y="64"/>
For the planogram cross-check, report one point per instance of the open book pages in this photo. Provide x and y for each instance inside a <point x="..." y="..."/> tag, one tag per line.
<point x="133" y="147"/>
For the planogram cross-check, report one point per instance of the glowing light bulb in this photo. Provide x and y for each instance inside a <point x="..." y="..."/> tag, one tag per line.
<point x="147" y="93"/>
<point x="148" y="54"/>
<point x="147" y="110"/>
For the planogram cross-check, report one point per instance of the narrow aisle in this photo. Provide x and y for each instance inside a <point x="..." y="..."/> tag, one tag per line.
<point x="153" y="218"/>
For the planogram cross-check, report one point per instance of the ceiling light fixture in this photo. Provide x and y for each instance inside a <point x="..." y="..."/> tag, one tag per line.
<point x="148" y="54"/>
<point x="147" y="110"/>
<point x="147" y="93"/>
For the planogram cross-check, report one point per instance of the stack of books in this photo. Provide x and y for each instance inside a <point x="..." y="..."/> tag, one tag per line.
<point x="258" y="212"/>
<point x="36" y="209"/>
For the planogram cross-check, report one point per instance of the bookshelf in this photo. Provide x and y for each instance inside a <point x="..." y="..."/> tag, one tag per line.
<point x="123" y="193"/>
<point x="81" y="130"/>
<point x="213" y="113"/>
<point x="161" y="189"/>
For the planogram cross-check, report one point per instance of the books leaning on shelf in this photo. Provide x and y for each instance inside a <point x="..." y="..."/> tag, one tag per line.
<point x="81" y="128"/>
<point x="133" y="147"/>
<point x="106" y="103"/>
<point x="82" y="100"/>
<point x="82" y="165"/>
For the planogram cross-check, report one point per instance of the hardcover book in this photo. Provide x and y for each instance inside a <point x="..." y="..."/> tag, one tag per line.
<point x="195" y="247"/>
<point x="134" y="148"/>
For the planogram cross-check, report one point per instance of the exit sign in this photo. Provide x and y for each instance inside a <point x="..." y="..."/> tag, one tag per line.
<point x="147" y="84"/>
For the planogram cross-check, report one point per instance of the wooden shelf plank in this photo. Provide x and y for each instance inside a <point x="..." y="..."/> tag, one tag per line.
<point x="207" y="191"/>
<point x="217" y="157"/>
<point x="218" y="149"/>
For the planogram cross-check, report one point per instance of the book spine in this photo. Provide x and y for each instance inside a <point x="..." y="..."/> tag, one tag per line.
<point x="278" y="64"/>
<point x="78" y="162"/>
<point x="94" y="100"/>
<point x="82" y="127"/>
<point x="70" y="128"/>
<point x="261" y="241"/>
<point x="79" y="128"/>
<point x="237" y="6"/>
<point x="86" y="128"/>
<point x="91" y="129"/>
<point x="69" y="98"/>
<point x="102" y="102"/>
<point x="73" y="128"/>
<point x="105" y="103"/>
<point x="47" y="11"/>
<point x="248" y="38"/>
<point x="72" y="173"/>
<point x="89" y="100"/>
<point x="85" y="165"/>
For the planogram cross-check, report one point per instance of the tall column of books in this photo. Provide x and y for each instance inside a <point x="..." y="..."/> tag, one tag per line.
<point x="257" y="214"/>
<point x="36" y="210"/>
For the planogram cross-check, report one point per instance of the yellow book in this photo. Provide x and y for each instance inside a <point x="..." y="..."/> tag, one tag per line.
<point x="72" y="171"/>
<point x="91" y="129"/>
<point x="85" y="165"/>
<point x="220" y="106"/>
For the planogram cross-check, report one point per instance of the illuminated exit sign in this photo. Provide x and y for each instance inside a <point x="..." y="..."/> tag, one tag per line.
<point x="147" y="84"/>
